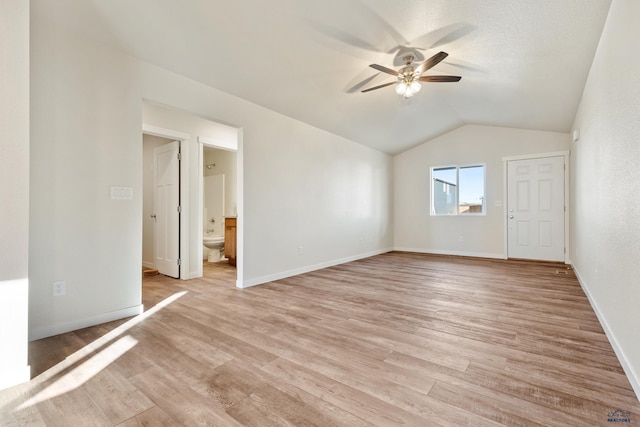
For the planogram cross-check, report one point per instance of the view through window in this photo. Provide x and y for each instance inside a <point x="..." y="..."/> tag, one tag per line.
<point x="457" y="190"/>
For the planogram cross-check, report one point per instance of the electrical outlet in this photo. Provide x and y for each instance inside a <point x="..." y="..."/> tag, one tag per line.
<point x="59" y="288"/>
<point x="300" y="250"/>
<point x="460" y="238"/>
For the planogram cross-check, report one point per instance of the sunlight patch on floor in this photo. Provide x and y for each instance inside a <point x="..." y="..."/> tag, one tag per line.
<point x="84" y="372"/>
<point x="96" y="363"/>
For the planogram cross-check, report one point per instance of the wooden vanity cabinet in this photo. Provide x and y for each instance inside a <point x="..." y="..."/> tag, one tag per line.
<point x="230" y="239"/>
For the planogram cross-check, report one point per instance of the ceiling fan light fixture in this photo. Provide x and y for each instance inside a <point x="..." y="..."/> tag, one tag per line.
<point x="407" y="87"/>
<point x="409" y="76"/>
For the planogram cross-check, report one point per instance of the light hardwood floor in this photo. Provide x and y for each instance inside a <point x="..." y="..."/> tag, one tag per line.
<point x="396" y="339"/>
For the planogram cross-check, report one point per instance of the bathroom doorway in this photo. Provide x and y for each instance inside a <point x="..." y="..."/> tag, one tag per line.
<point x="219" y="206"/>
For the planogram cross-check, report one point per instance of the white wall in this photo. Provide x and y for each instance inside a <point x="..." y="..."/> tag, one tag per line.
<point x="85" y="137"/>
<point x="226" y="163"/>
<point x="213" y="204"/>
<point x="606" y="230"/>
<point x="14" y="191"/>
<point x="189" y="123"/>
<point x="415" y="230"/>
<point x="302" y="186"/>
<point x="331" y="195"/>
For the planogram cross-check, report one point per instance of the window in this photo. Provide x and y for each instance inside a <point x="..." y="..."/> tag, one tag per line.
<point x="457" y="190"/>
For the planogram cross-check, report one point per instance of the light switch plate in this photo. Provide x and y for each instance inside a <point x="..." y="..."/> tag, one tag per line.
<point x="121" y="193"/>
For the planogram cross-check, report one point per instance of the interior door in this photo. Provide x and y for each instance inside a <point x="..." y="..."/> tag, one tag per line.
<point x="535" y="209"/>
<point x="166" y="202"/>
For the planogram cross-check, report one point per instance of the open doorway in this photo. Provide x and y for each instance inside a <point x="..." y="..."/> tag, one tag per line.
<point x="160" y="206"/>
<point x="209" y="152"/>
<point x="219" y="207"/>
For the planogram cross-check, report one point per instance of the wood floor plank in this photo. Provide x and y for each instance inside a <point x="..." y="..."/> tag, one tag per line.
<point x="481" y="405"/>
<point x="73" y="407"/>
<point x="413" y="344"/>
<point x="115" y="396"/>
<point x="465" y="392"/>
<point x="153" y="416"/>
<point x="576" y="383"/>
<point x="395" y="339"/>
<point x="201" y="326"/>
<point x="589" y="410"/>
<point x="360" y="404"/>
<point x="14" y="412"/>
<point x="184" y="405"/>
<point x="253" y="398"/>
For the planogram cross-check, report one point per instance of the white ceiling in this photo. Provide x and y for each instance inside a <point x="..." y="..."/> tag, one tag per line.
<point x="523" y="62"/>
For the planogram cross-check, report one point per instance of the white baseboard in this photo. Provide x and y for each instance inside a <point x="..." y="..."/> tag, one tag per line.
<point x="455" y="253"/>
<point x="633" y="377"/>
<point x="49" y="331"/>
<point x="148" y="264"/>
<point x="307" y="269"/>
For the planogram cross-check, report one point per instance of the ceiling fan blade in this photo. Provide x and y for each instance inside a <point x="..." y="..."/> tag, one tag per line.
<point x="378" y="87"/>
<point x="440" y="78"/>
<point x="431" y="62"/>
<point x="384" y="69"/>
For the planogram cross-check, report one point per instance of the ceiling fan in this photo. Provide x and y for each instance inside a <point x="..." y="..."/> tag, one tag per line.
<point x="409" y="78"/>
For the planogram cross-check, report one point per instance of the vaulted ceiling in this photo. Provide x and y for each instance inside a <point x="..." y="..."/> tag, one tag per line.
<point x="523" y="63"/>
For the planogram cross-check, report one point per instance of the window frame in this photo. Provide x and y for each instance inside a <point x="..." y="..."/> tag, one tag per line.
<point x="457" y="213"/>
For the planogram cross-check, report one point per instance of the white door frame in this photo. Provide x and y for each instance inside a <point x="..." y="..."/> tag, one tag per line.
<point x="567" y="213"/>
<point x="184" y="191"/>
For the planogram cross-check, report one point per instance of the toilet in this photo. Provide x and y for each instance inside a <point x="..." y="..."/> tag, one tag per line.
<point x="215" y="244"/>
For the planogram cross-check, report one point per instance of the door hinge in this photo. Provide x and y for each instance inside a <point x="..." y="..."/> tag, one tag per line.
<point x="179" y="209"/>
<point x="179" y="261"/>
<point x="179" y="156"/>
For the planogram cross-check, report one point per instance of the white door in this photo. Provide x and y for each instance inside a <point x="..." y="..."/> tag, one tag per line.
<point x="535" y="209"/>
<point x="166" y="202"/>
